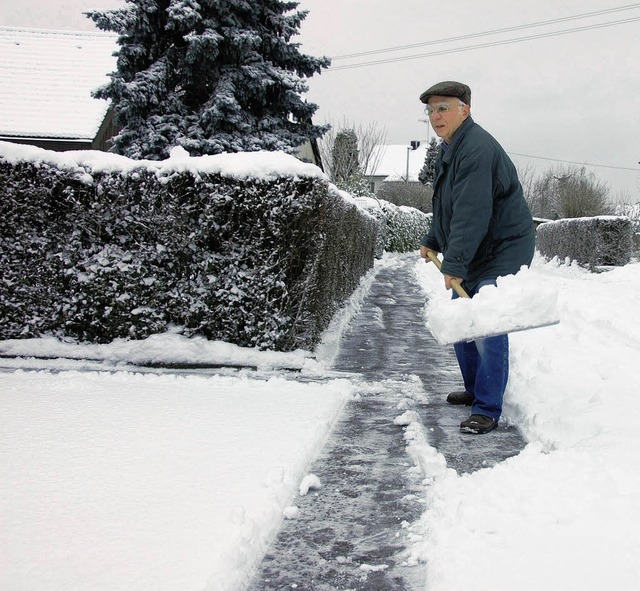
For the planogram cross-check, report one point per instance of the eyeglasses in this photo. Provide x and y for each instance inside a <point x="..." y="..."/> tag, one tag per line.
<point x="441" y="108"/>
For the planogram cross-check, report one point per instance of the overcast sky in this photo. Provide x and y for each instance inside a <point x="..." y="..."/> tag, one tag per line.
<point x="573" y="96"/>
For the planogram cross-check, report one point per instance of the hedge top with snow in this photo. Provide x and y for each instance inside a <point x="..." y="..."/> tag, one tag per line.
<point x="261" y="165"/>
<point x="245" y="248"/>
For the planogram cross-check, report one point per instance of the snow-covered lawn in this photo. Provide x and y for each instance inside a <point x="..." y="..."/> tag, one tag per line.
<point x="130" y="480"/>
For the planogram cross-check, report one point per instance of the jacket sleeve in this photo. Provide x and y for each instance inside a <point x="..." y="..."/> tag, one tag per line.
<point x="472" y="210"/>
<point x="429" y="240"/>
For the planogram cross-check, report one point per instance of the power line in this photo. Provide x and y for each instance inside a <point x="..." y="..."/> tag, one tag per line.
<point x="577" y="163"/>
<point x="484" y="45"/>
<point x="486" y="33"/>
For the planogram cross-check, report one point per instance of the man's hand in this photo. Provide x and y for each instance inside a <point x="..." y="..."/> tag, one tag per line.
<point x="424" y="253"/>
<point x="448" y="279"/>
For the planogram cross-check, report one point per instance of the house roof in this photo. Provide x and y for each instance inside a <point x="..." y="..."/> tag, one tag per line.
<point x="47" y="79"/>
<point x="390" y="161"/>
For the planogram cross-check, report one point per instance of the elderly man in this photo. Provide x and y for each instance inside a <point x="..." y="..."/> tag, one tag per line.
<point x="483" y="228"/>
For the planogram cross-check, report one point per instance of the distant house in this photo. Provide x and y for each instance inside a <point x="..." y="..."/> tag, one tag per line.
<point x="47" y="77"/>
<point x="389" y="163"/>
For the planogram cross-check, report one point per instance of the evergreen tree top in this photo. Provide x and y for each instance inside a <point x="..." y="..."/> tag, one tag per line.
<point x="209" y="75"/>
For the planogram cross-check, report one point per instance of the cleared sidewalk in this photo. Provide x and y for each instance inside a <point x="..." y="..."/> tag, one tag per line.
<point x="348" y="534"/>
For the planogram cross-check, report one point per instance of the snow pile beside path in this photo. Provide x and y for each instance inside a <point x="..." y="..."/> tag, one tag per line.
<point x="150" y="482"/>
<point x="161" y="349"/>
<point x="573" y="493"/>
<point x="261" y="165"/>
<point x="516" y="303"/>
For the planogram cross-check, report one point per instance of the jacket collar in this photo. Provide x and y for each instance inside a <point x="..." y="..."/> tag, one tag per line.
<point x="450" y="151"/>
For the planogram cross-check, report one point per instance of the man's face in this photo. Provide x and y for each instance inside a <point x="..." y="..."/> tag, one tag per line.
<point x="447" y="115"/>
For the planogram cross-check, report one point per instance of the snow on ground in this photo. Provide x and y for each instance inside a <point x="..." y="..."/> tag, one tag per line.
<point x="161" y="349"/>
<point x="179" y="482"/>
<point x="131" y="481"/>
<point x="112" y="477"/>
<point x="563" y="514"/>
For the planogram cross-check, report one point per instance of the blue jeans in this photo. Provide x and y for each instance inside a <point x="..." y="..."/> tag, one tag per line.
<point x="484" y="365"/>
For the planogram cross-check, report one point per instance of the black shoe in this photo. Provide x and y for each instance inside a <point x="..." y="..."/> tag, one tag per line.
<point x="462" y="397"/>
<point x="478" y="424"/>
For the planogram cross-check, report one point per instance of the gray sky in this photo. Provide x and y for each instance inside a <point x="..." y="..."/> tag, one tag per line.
<point x="569" y="97"/>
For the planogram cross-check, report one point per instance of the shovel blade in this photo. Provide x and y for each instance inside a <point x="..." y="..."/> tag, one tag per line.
<point x="493" y="311"/>
<point x="479" y="334"/>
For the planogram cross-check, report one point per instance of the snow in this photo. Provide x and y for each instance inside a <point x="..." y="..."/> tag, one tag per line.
<point x="160" y="349"/>
<point x="564" y="513"/>
<point x="261" y="165"/>
<point x="309" y="482"/>
<point x="523" y="299"/>
<point x="47" y="80"/>
<point x="123" y="480"/>
<point x="180" y="481"/>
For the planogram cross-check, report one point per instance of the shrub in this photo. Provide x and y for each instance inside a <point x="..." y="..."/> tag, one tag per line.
<point x="598" y="241"/>
<point x="405" y="227"/>
<point x="400" y="229"/>
<point x="566" y="192"/>
<point x="410" y="194"/>
<point x="97" y="255"/>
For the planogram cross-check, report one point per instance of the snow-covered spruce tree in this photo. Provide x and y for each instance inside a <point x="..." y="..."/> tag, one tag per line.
<point x="428" y="170"/>
<point x="208" y="75"/>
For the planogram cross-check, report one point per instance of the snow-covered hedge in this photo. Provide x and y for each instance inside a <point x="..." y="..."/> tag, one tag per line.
<point x="253" y="249"/>
<point x="406" y="227"/>
<point x="593" y="242"/>
<point x="400" y="228"/>
<point x="632" y="211"/>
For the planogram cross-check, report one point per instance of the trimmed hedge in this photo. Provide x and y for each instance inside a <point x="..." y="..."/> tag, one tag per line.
<point x="400" y="228"/>
<point x="98" y="256"/>
<point x="406" y="227"/>
<point x="411" y="194"/>
<point x="593" y="242"/>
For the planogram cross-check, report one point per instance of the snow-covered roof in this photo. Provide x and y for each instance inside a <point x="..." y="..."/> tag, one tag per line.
<point x="391" y="161"/>
<point x="47" y="79"/>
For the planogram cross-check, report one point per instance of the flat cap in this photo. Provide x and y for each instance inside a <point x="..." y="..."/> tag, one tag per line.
<point x="448" y="88"/>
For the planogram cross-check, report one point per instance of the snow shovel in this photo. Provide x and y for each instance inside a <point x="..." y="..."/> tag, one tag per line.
<point x="455" y="284"/>
<point x="494" y="310"/>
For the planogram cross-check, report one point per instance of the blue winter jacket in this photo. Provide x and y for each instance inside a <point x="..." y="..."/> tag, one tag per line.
<point x="481" y="222"/>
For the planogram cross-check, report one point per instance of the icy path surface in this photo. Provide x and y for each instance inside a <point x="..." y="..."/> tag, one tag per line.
<point x="354" y="531"/>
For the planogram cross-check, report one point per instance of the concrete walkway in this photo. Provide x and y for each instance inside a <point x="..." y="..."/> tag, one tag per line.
<point x="348" y="535"/>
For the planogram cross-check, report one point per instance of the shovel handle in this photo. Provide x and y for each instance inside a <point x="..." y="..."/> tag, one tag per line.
<point x="454" y="283"/>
